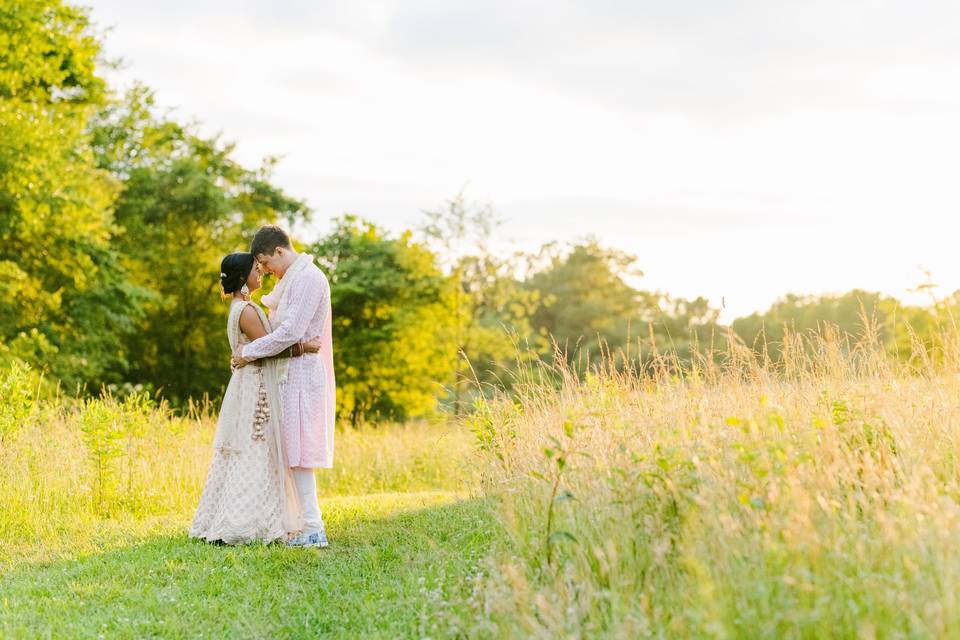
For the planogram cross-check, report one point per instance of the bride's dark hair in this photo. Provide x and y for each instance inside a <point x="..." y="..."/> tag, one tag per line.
<point x="234" y="271"/>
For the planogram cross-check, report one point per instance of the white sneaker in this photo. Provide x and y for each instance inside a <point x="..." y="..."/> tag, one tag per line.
<point x="317" y="539"/>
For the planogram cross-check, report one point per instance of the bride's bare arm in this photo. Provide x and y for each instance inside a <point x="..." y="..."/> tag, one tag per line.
<point x="251" y="324"/>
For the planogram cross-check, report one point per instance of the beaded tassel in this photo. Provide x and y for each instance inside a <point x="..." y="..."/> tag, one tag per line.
<point x="262" y="415"/>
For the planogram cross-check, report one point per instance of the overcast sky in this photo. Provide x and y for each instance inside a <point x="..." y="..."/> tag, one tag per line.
<point x="741" y="150"/>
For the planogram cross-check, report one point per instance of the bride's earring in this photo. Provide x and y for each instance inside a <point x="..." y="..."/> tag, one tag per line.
<point x="245" y="290"/>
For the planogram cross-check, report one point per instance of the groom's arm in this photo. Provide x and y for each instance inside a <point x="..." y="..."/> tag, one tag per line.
<point x="252" y="326"/>
<point x="306" y="297"/>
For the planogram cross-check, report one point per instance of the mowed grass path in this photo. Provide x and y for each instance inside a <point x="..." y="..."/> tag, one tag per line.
<point x="396" y="566"/>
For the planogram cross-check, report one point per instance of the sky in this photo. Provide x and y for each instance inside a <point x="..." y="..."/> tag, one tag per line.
<point x="740" y="150"/>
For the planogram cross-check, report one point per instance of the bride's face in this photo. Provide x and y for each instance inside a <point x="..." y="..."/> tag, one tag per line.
<point x="253" y="280"/>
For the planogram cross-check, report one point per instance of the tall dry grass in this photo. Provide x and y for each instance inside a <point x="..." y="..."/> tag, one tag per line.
<point x="737" y="497"/>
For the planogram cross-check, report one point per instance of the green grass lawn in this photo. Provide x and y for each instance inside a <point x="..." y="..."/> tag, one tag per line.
<point x="396" y="564"/>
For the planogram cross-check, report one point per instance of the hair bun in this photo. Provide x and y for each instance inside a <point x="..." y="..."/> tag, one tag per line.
<point x="234" y="271"/>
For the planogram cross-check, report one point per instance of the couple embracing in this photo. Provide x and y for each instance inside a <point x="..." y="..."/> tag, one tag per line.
<point x="276" y="422"/>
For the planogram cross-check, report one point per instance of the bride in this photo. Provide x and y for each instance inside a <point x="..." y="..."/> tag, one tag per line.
<point x="250" y="492"/>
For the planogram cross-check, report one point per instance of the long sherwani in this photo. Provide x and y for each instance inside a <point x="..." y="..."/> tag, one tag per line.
<point x="300" y="311"/>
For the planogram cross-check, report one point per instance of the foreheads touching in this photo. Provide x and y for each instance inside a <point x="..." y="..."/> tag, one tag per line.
<point x="272" y="248"/>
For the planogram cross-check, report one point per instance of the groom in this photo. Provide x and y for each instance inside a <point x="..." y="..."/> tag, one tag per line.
<point x="299" y="310"/>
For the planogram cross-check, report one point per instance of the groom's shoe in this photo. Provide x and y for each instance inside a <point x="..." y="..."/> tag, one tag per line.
<point x="317" y="539"/>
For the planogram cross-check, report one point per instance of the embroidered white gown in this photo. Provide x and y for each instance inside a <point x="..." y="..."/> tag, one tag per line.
<point x="249" y="493"/>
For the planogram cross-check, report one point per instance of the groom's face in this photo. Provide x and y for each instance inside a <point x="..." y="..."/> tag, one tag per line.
<point x="270" y="264"/>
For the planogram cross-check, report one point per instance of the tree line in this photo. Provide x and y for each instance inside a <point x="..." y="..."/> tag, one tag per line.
<point x="114" y="217"/>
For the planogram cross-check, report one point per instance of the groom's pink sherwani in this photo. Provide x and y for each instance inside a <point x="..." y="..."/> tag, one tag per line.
<point x="308" y="396"/>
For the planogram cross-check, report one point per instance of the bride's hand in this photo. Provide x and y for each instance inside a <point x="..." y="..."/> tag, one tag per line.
<point x="237" y="361"/>
<point x="312" y="346"/>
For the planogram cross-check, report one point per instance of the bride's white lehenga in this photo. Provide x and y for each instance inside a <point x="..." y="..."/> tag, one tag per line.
<point x="250" y="493"/>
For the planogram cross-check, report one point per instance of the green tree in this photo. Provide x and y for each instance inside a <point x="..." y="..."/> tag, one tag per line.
<point x="489" y="306"/>
<point x="391" y="322"/>
<point x="678" y="327"/>
<point x="498" y="335"/>
<point x="590" y="310"/>
<point x="851" y="313"/>
<point x="185" y="203"/>
<point x="585" y="302"/>
<point x="68" y="300"/>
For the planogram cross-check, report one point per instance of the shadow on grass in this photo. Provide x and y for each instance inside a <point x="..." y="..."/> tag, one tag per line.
<point x="403" y="574"/>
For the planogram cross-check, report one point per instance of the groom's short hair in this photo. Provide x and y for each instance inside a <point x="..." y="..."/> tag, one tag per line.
<point x="267" y="239"/>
